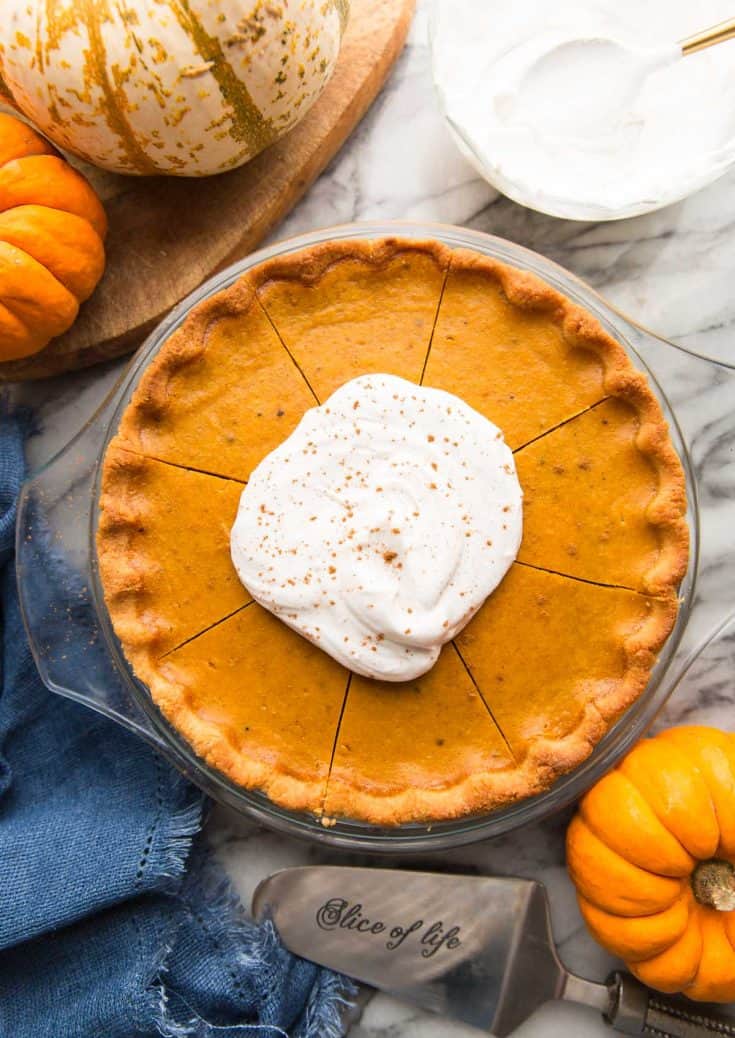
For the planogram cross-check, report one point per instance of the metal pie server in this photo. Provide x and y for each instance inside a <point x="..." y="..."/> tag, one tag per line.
<point x="479" y="949"/>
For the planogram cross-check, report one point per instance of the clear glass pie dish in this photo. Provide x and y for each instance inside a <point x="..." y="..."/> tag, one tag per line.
<point x="79" y="656"/>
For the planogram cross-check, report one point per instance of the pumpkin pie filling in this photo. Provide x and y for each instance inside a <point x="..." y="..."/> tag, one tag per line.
<point x="552" y="702"/>
<point x="261" y="703"/>
<point x="163" y="598"/>
<point x="618" y="537"/>
<point x="546" y="360"/>
<point x="408" y="767"/>
<point x="558" y="651"/>
<point x="341" y="315"/>
<point x="179" y="412"/>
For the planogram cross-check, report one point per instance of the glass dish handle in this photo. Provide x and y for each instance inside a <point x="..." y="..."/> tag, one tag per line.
<point x="54" y="570"/>
<point x="695" y="385"/>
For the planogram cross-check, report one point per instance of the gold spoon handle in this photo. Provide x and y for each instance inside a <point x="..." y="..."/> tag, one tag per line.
<point x="708" y="37"/>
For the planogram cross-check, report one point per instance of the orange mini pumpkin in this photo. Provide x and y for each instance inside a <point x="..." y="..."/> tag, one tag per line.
<point x="52" y="228"/>
<point x="652" y="855"/>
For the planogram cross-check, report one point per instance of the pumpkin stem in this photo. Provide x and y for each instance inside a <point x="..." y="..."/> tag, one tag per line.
<point x="713" y="884"/>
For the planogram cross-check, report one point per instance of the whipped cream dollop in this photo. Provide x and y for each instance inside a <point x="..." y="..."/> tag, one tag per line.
<point x="381" y="525"/>
<point x="587" y="110"/>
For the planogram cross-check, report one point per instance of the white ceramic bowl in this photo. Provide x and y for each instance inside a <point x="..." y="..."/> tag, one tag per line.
<point x="659" y="24"/>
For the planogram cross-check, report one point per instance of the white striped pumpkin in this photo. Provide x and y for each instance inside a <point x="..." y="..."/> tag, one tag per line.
<point x="185" y="87"/>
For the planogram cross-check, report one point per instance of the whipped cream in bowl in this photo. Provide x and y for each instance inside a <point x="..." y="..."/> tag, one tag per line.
<point x="537" y="86"/>
<point x="381" y="525"/>
<point x="586" y="111"/>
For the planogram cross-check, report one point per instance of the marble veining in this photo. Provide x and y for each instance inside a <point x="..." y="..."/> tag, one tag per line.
<point x="672" y="271"/>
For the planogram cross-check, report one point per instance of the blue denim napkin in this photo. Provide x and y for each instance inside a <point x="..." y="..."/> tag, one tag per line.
<point x="111" y="925"/>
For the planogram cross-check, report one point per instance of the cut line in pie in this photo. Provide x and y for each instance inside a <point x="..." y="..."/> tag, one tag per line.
<point x="342" y="314"/>
<point x="594" y="459"/>
<point x="179" y="412"/>
<point x="279" y="736"/>
<point x="450" y="763"/>
<point x="160" y="599"/>
<point x="544" y="361"/>
<point x="557" y="652"/>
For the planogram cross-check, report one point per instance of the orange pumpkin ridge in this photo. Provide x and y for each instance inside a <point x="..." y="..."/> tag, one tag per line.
<point x="664" y="816"/>
<point x="65" y="243"/>
<point x="52" y="228"/>
<point x="18" y="139"/>
<point x="50" y="180"/>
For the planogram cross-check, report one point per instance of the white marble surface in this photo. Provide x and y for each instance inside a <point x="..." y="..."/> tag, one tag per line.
<point x="674" y="271"/>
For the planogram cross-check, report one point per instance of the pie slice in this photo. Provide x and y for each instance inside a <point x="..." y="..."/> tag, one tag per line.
<point x="164" y="551"/>
<point x="558" y="660"/>
<point x="222" y="394"/>
<point x="356" y="308"/>
<point x="417" y="750"/>
<point x="259" y="702"/>
<point x="517" y="351"/>
<point x="601" y="501"/>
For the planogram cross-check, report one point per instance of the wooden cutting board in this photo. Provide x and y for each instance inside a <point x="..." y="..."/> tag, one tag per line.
<point x="168" y="235"/>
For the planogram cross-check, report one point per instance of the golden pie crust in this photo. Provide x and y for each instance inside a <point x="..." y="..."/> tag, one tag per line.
<point x="558" y="651"/>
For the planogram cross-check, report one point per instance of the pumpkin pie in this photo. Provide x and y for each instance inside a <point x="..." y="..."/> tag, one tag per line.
<point x="563" y="646"/>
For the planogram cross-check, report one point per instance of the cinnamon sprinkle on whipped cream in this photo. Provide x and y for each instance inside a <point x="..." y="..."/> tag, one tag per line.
<point x="381" y="525"/>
